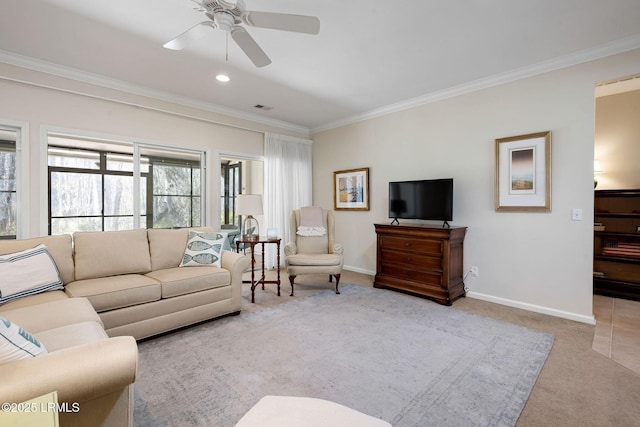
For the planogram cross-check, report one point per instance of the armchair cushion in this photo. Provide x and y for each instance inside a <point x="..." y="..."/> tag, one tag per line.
<point x="314" y="259"/>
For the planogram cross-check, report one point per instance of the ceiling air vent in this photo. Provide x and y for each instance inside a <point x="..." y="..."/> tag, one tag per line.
<point x="263" y="107"/>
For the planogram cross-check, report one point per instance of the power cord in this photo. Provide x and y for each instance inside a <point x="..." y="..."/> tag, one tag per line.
<point x="466" y="288"/>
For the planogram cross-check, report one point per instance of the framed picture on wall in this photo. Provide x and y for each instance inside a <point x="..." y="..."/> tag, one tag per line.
<point x="351" y="190"/>
<point x="523" y="173"/>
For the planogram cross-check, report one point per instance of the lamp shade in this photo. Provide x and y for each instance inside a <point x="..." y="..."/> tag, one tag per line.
<point x="596" y="167"/>
<point x="249" y="204"/>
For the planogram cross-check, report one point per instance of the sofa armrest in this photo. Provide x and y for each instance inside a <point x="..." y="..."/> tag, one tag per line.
<point x="78" y="373"/>
<point x="236" y="263"/>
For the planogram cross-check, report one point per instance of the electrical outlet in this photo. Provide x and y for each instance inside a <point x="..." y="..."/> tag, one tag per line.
<point x="576" y="214"/>
<point x="474" y="271"/>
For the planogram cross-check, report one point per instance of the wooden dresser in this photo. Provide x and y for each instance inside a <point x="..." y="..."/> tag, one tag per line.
<point x="421" y="260"/>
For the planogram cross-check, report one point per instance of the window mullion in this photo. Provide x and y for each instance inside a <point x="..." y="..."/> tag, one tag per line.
<point x="136" y="186"/>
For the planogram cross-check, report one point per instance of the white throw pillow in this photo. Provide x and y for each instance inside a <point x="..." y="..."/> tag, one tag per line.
<point x="203" y="249"/>
<point x="16" y="343"/>
<point x="28" y="272"/>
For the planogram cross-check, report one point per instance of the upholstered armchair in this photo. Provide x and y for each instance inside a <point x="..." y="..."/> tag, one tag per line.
<point x="312" y="248"/>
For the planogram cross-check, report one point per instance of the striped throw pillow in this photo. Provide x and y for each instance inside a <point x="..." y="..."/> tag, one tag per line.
<point x="28" y="272"/>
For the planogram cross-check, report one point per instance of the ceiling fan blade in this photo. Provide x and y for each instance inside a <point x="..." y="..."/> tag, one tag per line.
<point x="250" y="47"/>
<point x="283" y="21"/>
<point x="192" y="34"/>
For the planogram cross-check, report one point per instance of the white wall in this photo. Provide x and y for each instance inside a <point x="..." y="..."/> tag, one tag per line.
<point x="44" y="102"/>
<point x="537" y="261"/>
<point x="617" y="146"/>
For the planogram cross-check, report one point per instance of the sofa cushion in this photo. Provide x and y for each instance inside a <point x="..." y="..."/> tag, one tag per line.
<point x="28" y="272"/>
<point x="108" y="253"/>
<point x="59" y="247"/>
<point x="53" y="314"/>
<point x="109" y="293"/>
<point x="16" y="343"/>
<point x="180" y="281"/>
<point x="203" y="249"/>
<point x="167" y="246"/>
<point x="71" y="335"/>
<point x="34" y="300"/>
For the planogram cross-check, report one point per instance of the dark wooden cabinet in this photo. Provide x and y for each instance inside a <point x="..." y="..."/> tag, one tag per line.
<point x="421" y="260"/>
<point x="616" y="246"/>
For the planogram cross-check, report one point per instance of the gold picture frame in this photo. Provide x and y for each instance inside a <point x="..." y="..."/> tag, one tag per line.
<point x="351" y="190"/>
<point x="523" y="173"/>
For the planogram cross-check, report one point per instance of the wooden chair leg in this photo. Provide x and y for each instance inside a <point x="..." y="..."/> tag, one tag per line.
<point x="291" y="278"/>
<point x="337" y="281"/>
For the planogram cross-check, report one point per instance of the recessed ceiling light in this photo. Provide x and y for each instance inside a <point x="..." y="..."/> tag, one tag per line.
<point x="222" y="78"/>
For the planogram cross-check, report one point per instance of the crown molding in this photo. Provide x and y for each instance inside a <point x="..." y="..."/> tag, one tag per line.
<point x="119" y="85"/>
<point x="587" y="55"/>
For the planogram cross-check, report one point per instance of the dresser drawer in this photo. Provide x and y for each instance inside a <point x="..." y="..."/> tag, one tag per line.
<point x="432" y="278"/>
<point x="412" y="260"/>
<point x="427" y="246"/>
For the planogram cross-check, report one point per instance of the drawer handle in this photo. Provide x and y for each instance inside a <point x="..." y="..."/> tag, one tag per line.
<point x="407" y="244"/>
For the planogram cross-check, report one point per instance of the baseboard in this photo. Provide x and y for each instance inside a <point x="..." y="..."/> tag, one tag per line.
<point x="535" y="308"/>
<point x="358" y="270"/>
<point x="509" y="303"/>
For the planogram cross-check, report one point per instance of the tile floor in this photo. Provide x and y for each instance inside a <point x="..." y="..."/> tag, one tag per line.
<point x="617" y="332"/>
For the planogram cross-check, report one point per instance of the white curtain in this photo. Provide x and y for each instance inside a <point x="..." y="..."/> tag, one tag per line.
<point x="288" y="185"/>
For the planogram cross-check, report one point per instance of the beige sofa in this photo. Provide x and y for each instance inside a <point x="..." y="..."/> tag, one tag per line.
<point x="118" y="287"/>
<point x="133" y="281"/>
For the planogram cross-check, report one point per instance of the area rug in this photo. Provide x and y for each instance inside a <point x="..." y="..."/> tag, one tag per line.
<point x="400" y="358"/>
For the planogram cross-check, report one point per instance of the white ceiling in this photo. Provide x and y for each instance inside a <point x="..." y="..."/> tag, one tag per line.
<point x="371" y="56"/>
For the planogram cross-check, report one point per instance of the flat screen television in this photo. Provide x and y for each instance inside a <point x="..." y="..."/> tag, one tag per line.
<point x="430" y="199"/>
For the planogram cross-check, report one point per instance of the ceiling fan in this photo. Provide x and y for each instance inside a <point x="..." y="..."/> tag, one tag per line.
<point x="229" y="14"/>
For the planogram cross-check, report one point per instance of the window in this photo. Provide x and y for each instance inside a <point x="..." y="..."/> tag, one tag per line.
<point x="231" y="182"/>
<point x="98" y="186"/>
<point x="175" y="193"/>
<point x="8" y="185"/>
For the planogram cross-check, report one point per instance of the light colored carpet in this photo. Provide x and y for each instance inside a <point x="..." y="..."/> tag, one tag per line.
<point x="389" y="355"/>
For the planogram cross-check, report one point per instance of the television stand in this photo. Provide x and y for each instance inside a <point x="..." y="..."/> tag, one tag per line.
<point x="445" y="224"/>
<point x="395" y="221"/>
<point x="421" y="260"/>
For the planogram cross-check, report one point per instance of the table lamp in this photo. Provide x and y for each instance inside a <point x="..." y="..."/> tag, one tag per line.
<point x="597" y="169"/>
<point x="249" y="205"/>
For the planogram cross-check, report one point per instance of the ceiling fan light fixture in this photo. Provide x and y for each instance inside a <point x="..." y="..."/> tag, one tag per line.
<point x="229" y="15"/>
<point x="222" y="78"/>
<point x="224" y="20"/>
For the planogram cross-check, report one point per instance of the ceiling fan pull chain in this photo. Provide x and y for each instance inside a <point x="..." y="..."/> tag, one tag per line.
<point x="226" y="50"/>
